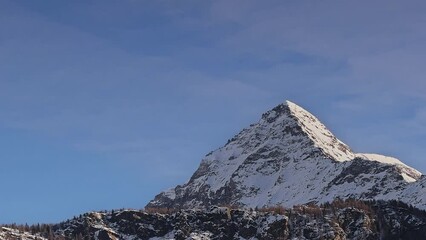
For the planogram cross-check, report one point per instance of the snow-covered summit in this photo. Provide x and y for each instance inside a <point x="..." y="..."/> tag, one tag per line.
<point x="319" y="134"/>
<point x="288" y="157"/>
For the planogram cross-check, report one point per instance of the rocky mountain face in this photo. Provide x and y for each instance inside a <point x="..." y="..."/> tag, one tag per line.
<point x="289" y="157"/>
<point x="341" y="219"/>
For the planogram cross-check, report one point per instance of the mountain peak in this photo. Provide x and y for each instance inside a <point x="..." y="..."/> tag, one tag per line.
<point x="312" y="127"/>
<point x="289" y="157"/>
<point x="290" y="103"/>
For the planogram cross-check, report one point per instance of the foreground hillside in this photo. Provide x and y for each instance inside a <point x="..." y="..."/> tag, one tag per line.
<point x="349" y="219"/>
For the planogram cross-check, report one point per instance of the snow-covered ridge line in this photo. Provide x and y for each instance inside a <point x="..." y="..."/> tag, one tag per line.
<point x="408" y="173"/>
<point x="320" y="135"/>
<point x="380" y="158"/>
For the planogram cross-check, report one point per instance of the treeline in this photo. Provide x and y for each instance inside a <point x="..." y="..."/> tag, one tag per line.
<point x="368" y="206"/>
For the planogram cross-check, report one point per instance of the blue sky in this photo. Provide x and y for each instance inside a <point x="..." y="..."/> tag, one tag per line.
<point x="103" y="104"/>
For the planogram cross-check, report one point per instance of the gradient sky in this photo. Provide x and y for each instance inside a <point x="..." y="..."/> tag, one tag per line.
<point x="105" y="103"/>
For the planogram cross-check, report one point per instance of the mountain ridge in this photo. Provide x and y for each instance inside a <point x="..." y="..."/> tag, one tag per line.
<point x="340" y="219"/>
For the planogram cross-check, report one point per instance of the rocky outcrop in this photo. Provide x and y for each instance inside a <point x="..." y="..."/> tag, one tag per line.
<point x="7" y="233"/>
<point x="341" y="219"/>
